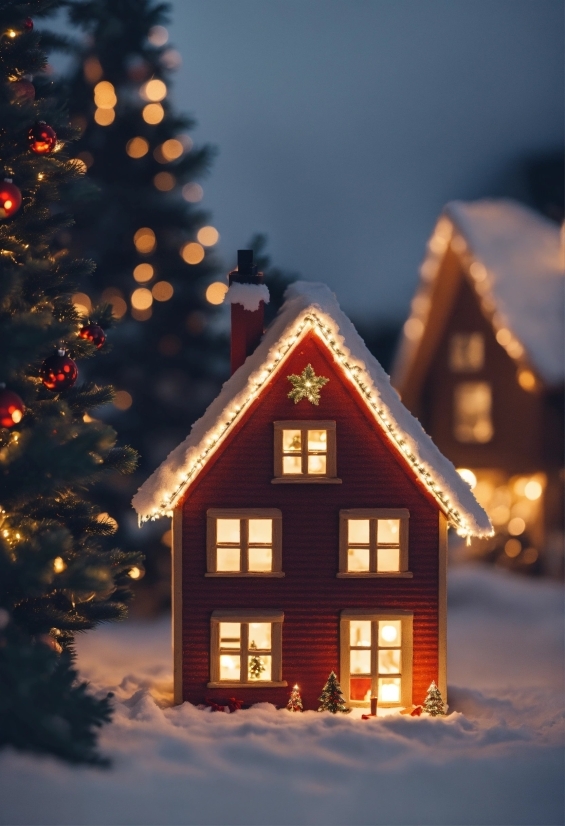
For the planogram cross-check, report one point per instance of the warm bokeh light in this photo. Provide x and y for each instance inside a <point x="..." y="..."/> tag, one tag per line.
<point x="108" y="520"/>
<point x="512" y="548"/>
<point x="192" y="193"/>
<point x="104" y="117"/>
<point x="158" y="35"/>
<point x="86" y="157"/>
<point x="123" y="400"/>
<point x="216" y="292"/>
<point x="169" y="345"/>
<point x="141" y="299"/>
<point x="516" y="526"/>
<point x="526" y="380"/>
<point x="143" y="273"/>
<point x="114" y="298"/>
<point x="413" y="329"/>
<point x="142" y="315"/>
<point x="105" y="95"/>
<point x="164" y="181"/>
<point x="208" y="236"/>
<point x="154" y="90"/>
<point x="533" y="490"/>
<point x="82" y="302"/>
<point x="192" y="253"/>
<point x="144" y="240"/>
<point x="167" y="538"/>
<point x="59" y="564"/>
<point x="137" y="147"/>
<point x="504" y="336"/>
<point x="92" y="70"/>
<point x="171" y="59"/>
<point x="172" y="149"/>
<point x="468" y="476"/>
<point x="530" y="555"/>
<point x="135" y="572"/>
<point x="153" y="113"/>
<point x="162" y="291"/>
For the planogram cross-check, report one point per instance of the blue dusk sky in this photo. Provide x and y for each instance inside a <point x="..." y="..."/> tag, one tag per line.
<point x="343" y="126"/>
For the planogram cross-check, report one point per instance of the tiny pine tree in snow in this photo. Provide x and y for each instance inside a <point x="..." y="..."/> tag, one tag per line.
<point x="433" y="704"/>
<point x="295" y="700"/>
<point x="331" y="698"/>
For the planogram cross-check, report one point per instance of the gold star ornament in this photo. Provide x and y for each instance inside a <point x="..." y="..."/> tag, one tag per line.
<point x="306" y="386"/>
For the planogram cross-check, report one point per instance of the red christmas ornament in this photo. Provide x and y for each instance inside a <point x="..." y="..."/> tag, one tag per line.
<point x="58" y="372"/>
<point x="41" y="138"/>
<point x="28" y="24"/>
<point x="22" y="90"/>
<point x="10" y="198"/>
<point x="94" y="333"/>
<point x="11" y="407"/>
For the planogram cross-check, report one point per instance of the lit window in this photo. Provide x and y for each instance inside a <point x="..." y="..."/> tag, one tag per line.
<point x="376" y="658"/>
<point x="373" y="542"/>
<point x="472" y="419"/>
<point x="244" y="542"/>
<point x="466" y="352"/>
<point x="246" y="648"/>
<point x="305" y="451"/>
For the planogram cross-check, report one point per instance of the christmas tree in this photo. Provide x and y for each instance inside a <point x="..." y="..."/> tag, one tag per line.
<point x="153" y="246"/>
<point x="433" y="704"/>
<point x="58" y="575"/>
<point x="332" y="697"/>
<point x="295" y="700"/>
<point x="256" y="666"/>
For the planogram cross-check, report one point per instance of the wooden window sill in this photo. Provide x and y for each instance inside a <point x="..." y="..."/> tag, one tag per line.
<point x="306" y="480"/>
<point x="255" y="684"/>
<point x="262" y="574"/>
<point x="371" y="574"/>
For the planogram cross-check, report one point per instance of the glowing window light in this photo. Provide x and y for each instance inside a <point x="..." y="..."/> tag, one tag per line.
<point x="105" y="95"/>
<point x="516" y="526"/>
<point x="158" y="35"/>
<point x="59" y="564"/>
<point x="123" y="400"/>
<point x="144" y="240"/>
<point x="104" y="117"/>
<point x="137" y="147"/>
<point x="468" y="476"/>
<point x="192" y="193"/>
<point x="414" y="329"/>
<point x="172" y="149"/>
<point x="162" y="291"/>
<point x="192" y="253"/>
<point x="389" y="689"/>
<point x="526" y="380"/>
<point x="143" y="273"/>
<point x="154" y="90"/>
<point x="164" y="181"/>
<point x="208" y="236"/>
<point x="141" y="299"/>
<point x="216" y="292"/>
<point x="153" y="113"/>
<point x="533" y="490"/>
<point x="82" y="303"/>
<point x="389" y="632"/>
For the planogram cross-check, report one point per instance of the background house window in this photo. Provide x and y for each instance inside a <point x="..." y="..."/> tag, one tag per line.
<point x="376" y="658"/>
<point x="374" y="542"/>
<point x="246" y="648"/>
<point x="305" y="451"/>
<point x="466" y="352"/>
<point x="472" y="412"/>
<point x="244" y="542"/>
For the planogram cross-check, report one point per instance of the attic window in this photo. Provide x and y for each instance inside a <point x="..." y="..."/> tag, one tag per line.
<point x="466" y="352"/>
<point x="305" y="451"/>
<point x="244" y="542"/>
<point x="373" y="542"/>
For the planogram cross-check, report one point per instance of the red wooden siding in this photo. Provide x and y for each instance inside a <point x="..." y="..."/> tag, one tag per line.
<point x="310" y="594"/>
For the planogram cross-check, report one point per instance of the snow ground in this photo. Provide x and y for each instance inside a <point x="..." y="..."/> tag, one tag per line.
<point x="496" y="759"/>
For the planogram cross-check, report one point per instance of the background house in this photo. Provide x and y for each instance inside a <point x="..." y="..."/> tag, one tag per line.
<point x="481" y="364"/>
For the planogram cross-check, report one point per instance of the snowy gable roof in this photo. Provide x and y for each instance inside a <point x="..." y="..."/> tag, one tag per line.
<point x="515" y="265"/>
<point x="311" y="307"/>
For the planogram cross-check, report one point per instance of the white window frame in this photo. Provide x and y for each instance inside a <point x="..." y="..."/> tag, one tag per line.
<point x="275" y="618"/>
<point x="244" y="515"/>
<point x="406" y="654"/>
<point x="374" y="514"/>
<point x="329" y="477"/>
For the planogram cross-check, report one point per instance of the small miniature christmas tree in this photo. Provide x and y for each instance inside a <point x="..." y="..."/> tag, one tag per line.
<point x="256" y="667"/>
<point x="295" y="700"/>
<point x="332" y="697"/>
<point x="433" y="704"/>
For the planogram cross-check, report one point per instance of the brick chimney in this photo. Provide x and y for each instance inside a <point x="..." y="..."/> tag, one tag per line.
<point x="246" y="323"/>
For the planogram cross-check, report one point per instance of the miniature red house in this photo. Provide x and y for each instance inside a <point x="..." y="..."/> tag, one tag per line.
<point x="481" y="364"/>
<point x="310" y="515"/>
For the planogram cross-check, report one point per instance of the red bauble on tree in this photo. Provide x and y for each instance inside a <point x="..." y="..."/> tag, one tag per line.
<point x="58" y="372"/>
<point x="11" y="407"/>
<point x="41" y="138"/>
<point x="10" y="198"/>
<point x="22" y="90"/>
<point x="28" y="24"/>
<point x="94" y="333"/>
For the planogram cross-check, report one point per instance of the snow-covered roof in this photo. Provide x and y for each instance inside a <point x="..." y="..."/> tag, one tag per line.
<point x="514" y="261"/>
<point x="311" y="307"/>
